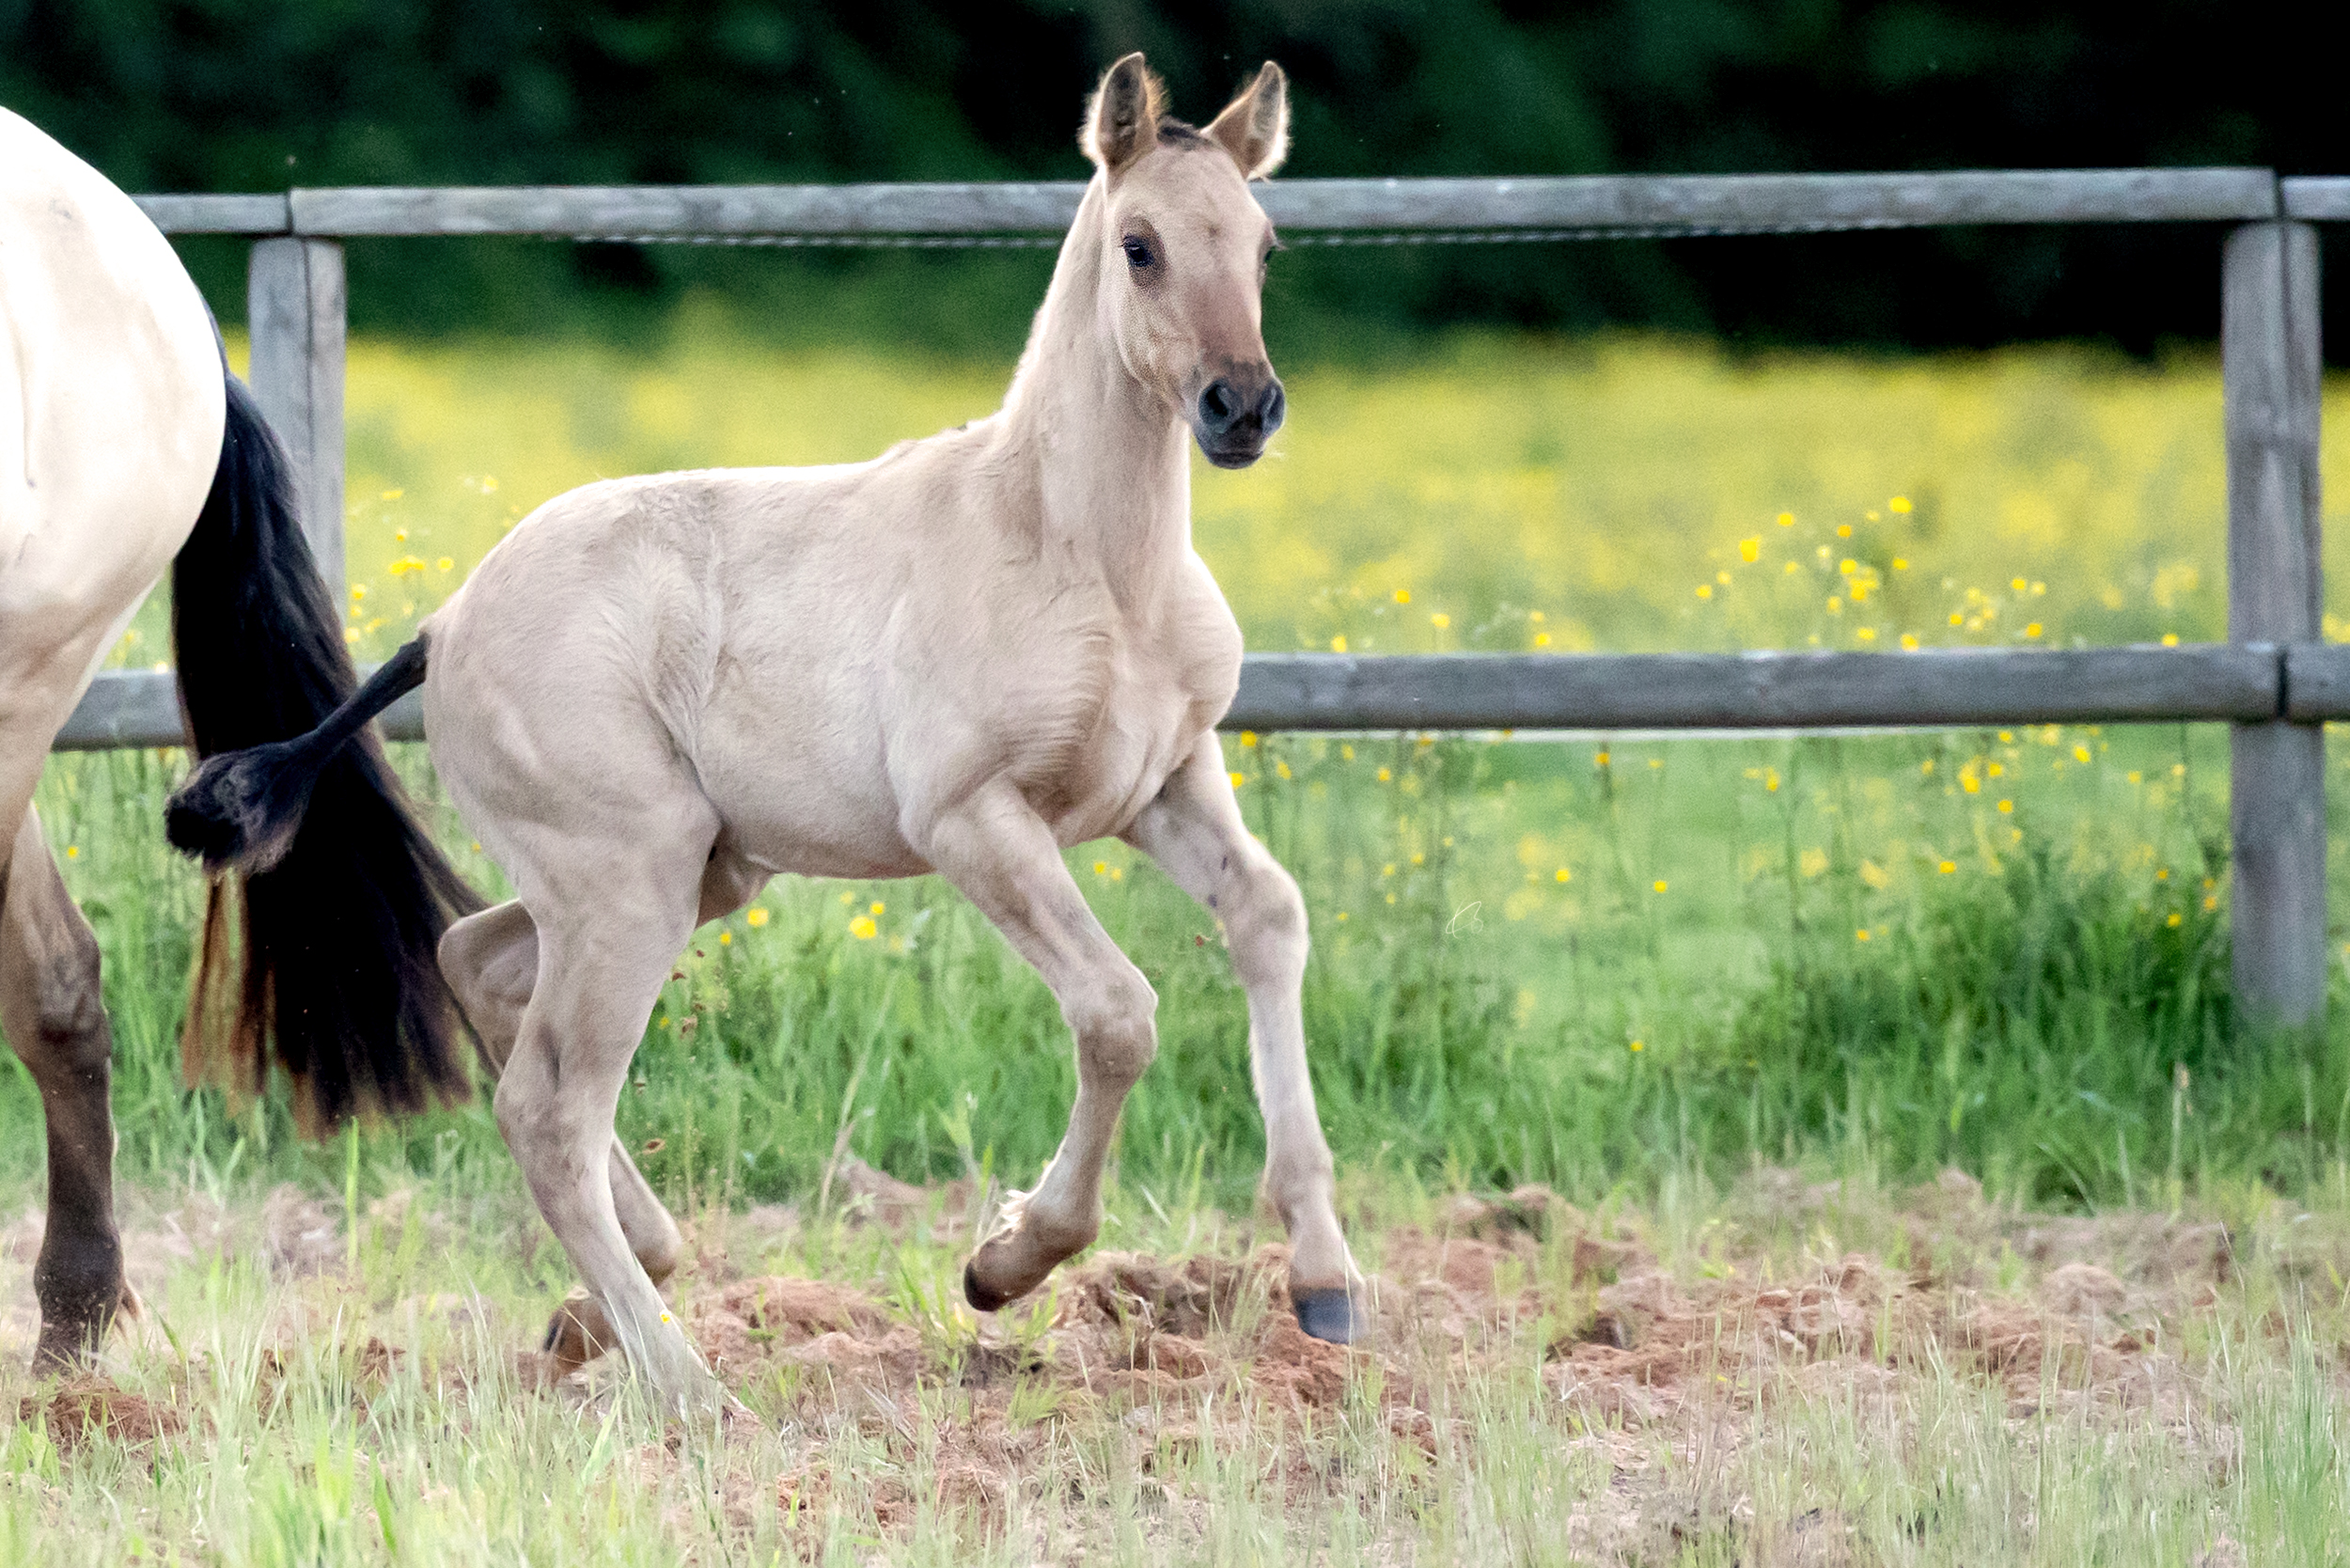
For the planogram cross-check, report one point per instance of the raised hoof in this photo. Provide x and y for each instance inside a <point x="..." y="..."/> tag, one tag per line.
<point x="576" y="1335"/>
<point x="980" y="1296"/>
<point x="1328" y="1315"/>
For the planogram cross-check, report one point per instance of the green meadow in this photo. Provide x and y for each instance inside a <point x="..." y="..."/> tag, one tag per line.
<point x="1584" y="960"/>
<point x="1894" y="1183"/>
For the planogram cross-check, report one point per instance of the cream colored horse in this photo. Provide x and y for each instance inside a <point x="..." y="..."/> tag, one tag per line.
<point x="126" y="449"/>
<point x="961" y="657"/>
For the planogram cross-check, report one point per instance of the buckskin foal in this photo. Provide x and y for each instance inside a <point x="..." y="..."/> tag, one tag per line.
<point x="960" y="657"/>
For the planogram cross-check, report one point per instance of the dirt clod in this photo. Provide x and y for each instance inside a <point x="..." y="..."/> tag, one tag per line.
<point x="79" y="1410"/>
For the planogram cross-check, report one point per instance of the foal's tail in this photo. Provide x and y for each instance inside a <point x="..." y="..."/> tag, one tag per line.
<point x="329" y="900"/>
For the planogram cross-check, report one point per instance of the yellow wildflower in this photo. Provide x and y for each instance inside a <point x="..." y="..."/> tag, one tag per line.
<point x="863" y="928"/>
<point x="755" y="917"/>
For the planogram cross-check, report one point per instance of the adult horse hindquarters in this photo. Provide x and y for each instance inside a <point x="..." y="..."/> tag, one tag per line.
<point x="960" y="657"/>
<point x="124" y="444"/>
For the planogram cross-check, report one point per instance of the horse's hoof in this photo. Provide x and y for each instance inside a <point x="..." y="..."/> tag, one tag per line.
<point x="978" y="1296"/>
<point x="1329" y="1315"/>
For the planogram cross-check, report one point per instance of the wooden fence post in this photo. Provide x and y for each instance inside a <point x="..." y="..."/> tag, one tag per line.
<point x="2270" y="358"/>
<point x="295" y="305"/>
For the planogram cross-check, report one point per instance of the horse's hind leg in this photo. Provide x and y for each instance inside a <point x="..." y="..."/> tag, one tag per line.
<point x="52" y="1012"/>
<point x="491" y="960"/>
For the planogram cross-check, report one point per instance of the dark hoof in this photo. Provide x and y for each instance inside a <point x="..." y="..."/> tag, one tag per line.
<point x="978" y="1296"/>
<point x="1329" y="1315"/>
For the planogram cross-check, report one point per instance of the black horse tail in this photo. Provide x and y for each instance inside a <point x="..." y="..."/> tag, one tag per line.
<point x="328" y="900"/>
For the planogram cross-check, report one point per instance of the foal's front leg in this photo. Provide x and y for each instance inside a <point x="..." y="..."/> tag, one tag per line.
<point x="1003" y="857"/>
<point x="1194" y="831"/>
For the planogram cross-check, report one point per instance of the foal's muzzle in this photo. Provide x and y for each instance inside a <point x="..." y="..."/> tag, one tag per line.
<point x="1237" y="414"/>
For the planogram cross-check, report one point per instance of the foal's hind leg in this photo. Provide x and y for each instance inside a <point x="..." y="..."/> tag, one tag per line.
<point x="1001" y="854"/>
<point x="491" y="960"/>
<point x="1194" y="831"/>
<point x="52" y="1012"/>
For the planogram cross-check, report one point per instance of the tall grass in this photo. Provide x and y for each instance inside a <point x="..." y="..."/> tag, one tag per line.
<point x="1590" y="962"/>
<point x="1830" y="961"/>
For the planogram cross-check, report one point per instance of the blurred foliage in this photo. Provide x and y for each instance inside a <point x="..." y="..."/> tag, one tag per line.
<point x="215" y="95"/>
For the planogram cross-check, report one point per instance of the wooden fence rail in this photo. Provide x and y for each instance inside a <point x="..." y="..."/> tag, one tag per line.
<point x="1936" y="688"/>
<point x="2274" y="683"/>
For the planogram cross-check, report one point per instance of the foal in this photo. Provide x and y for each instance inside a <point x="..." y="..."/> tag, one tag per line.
<point x="960" y="657"/>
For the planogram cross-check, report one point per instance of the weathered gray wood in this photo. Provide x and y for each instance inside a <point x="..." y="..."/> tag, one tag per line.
<point x="1766" y="201"/>
<point x="1689" y="203"/>
<point x="1945" y="687"/>
<point x="263" y="213"/>
<point x="125" y="710"/>
<point x="138" y="709"/>
<point x="1753" y="691"/>
<point x="634" y="210"/>
<point x="295" y="308"/>
<point x="2316" y="198"/>
<point x="2269" y="354"/>
<point x="2317" y="682"/>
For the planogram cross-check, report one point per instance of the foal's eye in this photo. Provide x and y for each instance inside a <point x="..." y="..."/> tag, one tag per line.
<point x="1138" y="253"/>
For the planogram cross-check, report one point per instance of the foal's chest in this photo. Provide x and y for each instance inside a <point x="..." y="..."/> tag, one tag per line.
<point x="1136" y="702"/>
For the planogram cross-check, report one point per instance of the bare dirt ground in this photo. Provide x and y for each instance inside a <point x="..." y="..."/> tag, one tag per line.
<point x="1655" y="1360"/>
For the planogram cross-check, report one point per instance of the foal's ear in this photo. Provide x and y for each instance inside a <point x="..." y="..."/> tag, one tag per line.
<point x="1123" y="120"/>
<point x="1255" y="127"/>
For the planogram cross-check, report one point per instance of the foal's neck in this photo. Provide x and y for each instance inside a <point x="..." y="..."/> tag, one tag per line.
<point x="1106" y="457"/>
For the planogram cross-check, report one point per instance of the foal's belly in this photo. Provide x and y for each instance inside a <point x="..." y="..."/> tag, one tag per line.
<point x="788" y="805"/>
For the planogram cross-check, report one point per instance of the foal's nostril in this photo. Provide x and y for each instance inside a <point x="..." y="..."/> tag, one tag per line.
<point x="1272" y="407"/>
<point x="1219" y="406"/>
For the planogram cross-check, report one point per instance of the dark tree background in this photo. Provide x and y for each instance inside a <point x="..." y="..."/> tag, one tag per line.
<point x="224" y="95"/>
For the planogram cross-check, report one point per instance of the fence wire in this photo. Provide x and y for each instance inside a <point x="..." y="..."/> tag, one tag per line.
<point x="1368" y="236"/>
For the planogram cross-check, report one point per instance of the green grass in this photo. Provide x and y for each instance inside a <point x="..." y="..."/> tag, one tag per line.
<point x="1756" y="955"/>
<point x="1587" y="962"/>
<point x="1638" y="969"/>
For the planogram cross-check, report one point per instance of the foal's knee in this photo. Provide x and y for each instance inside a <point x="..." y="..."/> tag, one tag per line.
<point x="69" y="1013"/>
<point x="1264" y="923"/>
<point x="1116" y="1029"/>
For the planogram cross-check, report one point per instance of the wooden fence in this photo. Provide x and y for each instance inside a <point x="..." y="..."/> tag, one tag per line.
<point x="2273" y="682"/>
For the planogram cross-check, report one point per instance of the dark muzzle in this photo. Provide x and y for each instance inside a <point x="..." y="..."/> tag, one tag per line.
<point x="1238" y="415"/>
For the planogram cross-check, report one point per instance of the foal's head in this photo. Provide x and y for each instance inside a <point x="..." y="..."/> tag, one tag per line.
<point x="1183" y="260"/>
